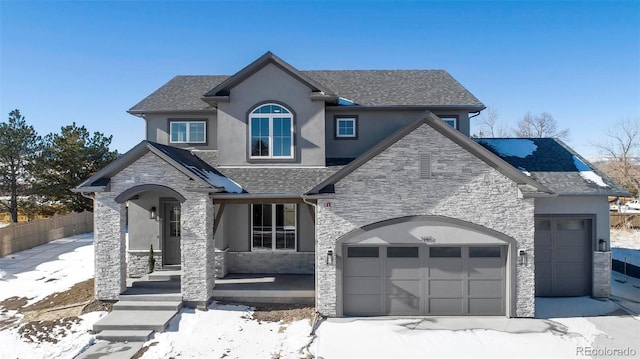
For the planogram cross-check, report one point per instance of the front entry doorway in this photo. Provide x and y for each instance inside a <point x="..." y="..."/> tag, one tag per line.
<point x="171" y="233"/>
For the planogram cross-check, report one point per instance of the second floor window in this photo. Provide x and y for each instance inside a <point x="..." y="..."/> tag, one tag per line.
<point x="187" y="131"/>
<point x="271" y="132"/>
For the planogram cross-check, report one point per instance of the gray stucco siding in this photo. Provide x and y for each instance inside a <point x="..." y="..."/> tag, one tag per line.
<point x="143" y="231"/>
<point x="373" y="126"/>
<point x="389" y="186"/>
<point x="157" y="128"/>
<point x="271" y="84"/>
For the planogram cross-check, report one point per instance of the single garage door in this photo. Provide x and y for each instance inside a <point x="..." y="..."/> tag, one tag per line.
<point x="563" y="257"/>
<point x="424" y="280"/>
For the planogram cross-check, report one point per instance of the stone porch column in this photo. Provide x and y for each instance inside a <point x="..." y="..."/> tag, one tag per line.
<point x="109" y="246"/>
<point x="198" y="250"/>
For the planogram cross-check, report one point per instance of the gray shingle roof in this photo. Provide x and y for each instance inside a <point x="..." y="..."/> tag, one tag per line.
<point x="278" y="180"/>
<point x="364" y="87"/>
<point x="181" y="93"/>
<point x="553" y="164"/>
<point x="396" y="87"/>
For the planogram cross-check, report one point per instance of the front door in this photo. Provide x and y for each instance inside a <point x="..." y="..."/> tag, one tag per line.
<point x="171" y="233"/>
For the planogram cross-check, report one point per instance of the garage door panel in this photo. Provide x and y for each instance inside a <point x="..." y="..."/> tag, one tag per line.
<point x="486" y="288"/>
<point x="396" y="268"/>
<point x="360" y="267"/>
<point x="573" y="270"/>
<point x="362" y="285"/>
<point x="563" y="258"/>
<point x="445" y="288"/>
<point x="445" y="267"/>
<point x="569" y="239"/>
<point x="449" y="306"/>
<point x="486" y="306"/>
<point x="409" y="305"/>
<point x="432" y="280"/>
<point x="403" y="287"/>
<point x="362" y="304"/>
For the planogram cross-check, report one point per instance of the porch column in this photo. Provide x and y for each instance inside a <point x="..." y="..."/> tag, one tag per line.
<point x="198" y="250"/>
<point x="109" y="246"/>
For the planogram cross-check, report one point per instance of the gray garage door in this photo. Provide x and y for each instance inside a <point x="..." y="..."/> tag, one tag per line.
<point x="422" y="280"/>
<point x="563" y="257"/>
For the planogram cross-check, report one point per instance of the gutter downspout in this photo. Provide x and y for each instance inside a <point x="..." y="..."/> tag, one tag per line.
<point x="315" y="277"/>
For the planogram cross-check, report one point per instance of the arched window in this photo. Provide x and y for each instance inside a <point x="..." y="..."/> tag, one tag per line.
<point x="271" y="132"/>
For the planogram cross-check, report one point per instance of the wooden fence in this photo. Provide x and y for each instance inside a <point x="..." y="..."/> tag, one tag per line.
<point x="20" y="236"/>
<point x="625" y="220"/>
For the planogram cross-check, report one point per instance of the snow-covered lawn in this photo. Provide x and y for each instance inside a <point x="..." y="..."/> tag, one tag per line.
<point x="48" y="277"/>
<point x="625" y="245"/>
<point x="230" y="331"/>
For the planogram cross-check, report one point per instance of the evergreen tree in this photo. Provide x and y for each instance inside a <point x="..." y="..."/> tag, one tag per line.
<point x="67" y="159"/>
<point x="19" y="144"/>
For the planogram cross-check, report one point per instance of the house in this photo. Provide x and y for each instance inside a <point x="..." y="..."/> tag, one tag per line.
<point x="368" y="180"/>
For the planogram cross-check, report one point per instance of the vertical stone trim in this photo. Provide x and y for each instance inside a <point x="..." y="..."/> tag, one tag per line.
<point x="221" y="263"/>
<point x="109" y="247"/>
<point x="601" y="274"/>
<point x="198" y="250"/>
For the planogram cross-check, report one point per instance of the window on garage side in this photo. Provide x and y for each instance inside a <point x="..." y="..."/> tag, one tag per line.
<point x="273" y="226"/>
<point x="346" y="127"/>
<point x="450" y="120"/>
<point x="187" y="131"/>
<point x="402" y="252"/>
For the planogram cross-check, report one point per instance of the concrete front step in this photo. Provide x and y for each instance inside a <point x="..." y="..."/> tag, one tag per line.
<point x="160" y="283"/>
<point x="155" y="320"/>
<point x="165" y="275"/>
<point x="147" y="305"/>
<point x="125" y="335"/>
<point x="151" y="294"/>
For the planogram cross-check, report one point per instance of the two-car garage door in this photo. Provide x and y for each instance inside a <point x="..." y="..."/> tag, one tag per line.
<point x="424" y="280"/>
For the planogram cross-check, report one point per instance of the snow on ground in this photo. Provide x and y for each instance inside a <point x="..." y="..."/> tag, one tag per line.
<point x="36" y="273"/>
<point x="48" y="276"/>
<point x="396" y="339"/>
<point x="75" y="340"/>
<point x="229" y="331"/>
<point x="625" y="245"/>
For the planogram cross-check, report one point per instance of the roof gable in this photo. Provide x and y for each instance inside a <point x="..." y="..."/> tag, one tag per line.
<point x="460" y="139"/>
<point x="184" y="161"/>
<point x="223" y="89"/>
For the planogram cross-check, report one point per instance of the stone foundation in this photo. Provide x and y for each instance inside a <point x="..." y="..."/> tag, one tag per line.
<point x="138" y="263"/>
<point x="221" y="263"/>
<point x="271" y="262"/>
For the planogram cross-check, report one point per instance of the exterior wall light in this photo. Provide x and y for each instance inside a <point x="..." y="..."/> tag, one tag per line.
<point x="152" y="213"/>
<point x="522" y="257"/>
<point x="330" y="257"/>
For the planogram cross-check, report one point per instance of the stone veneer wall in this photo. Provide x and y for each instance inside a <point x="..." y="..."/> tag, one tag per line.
<point x="138" y="263"/>
<point x="601" y="286"/>
<point x="389" y="186"/>
<point x="197" y="236"/>
<point x="271" y="262"/>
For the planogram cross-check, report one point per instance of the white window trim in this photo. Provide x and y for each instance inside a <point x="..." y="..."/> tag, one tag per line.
<point x="271" y="116"/>
<point x="350" y="119"/>
<point x="188" y="140"/>
<point x="446" y="120"/>
<point x="273" y="230"/>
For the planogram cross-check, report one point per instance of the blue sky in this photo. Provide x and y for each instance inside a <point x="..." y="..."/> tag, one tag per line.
<point x="89" y="62"/>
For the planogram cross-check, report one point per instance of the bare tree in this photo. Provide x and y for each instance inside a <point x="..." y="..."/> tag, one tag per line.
<point x="540" y="125"/>
<point x="621" y="145"/>
<point x="489" y="124"/>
